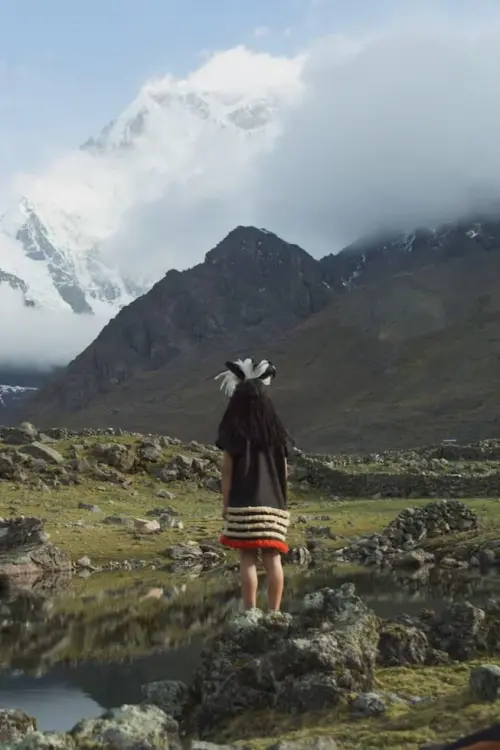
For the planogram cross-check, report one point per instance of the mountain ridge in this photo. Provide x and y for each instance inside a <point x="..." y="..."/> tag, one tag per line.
<point x="347" y="332"/>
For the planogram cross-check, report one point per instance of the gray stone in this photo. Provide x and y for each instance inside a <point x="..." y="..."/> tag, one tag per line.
<point x="43" y="741"/>
<point x="129" y="728"/>
<point x="169" y="695"/>
<point x="39" y="450"/>
<point x="484" y="682"/>
<point x="368" y="704"/>
<point x="15" y="724"/>
<point x="90" y="507"/>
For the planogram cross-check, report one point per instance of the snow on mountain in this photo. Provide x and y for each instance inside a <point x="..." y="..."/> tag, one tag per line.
<point x="10" y="395"/>
<point x="57" y="239"/>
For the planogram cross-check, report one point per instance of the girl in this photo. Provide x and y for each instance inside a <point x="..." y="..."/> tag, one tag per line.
<point x="254" y="477"/>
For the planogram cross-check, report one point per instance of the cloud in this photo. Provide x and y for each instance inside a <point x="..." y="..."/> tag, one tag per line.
<point x="41" y="339"/>
<point x="396" y="130"/>
<point x="361" y="132"/>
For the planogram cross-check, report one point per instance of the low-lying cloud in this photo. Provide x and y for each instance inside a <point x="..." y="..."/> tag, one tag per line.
<point x="391" y="130"/>
<point x="41" y="339"/>
<point x="398" y="131"/>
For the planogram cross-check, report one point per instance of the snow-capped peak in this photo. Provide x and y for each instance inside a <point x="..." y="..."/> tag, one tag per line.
<point x="60" y="240"/>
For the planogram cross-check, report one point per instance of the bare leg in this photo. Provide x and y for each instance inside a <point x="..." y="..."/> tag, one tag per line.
<point x="275" y="577"/>
<point x="248" y="577"/>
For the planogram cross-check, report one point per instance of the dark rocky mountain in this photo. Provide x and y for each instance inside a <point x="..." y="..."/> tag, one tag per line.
<point x="385" y="344"/>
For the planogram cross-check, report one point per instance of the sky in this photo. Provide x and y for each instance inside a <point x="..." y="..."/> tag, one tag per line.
<point x="67" y="68"/>
<point x="387" y="116"/>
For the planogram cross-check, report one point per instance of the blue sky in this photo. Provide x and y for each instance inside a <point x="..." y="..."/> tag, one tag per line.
<point x="69" y="66"/>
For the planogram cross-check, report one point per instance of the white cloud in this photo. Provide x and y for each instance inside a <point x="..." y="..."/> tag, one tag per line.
<point x="397" y="128"/>
<point x="41" y="338"/>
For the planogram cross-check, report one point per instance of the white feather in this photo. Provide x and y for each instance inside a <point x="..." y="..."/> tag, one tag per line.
<point x="229" y="380"/>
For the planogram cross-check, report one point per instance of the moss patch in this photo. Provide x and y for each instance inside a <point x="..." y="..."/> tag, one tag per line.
<point x="452" y="713"/>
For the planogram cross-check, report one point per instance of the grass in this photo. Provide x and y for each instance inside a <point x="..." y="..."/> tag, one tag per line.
<point x="452" y="713"/>
<point x="199" y="510"/>
<point x="107" y="617"/>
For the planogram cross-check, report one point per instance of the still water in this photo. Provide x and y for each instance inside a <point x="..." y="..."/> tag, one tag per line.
<point x="64" y="694"/>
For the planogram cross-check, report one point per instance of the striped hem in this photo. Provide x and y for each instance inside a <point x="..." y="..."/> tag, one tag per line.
<point x="256" y="524"/>
<point x="254" y="544"/>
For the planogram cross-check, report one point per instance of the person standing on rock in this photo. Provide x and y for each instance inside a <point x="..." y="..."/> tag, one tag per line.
<point x="254" y="477"/>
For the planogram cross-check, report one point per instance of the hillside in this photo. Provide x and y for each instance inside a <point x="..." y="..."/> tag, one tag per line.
<point x="377" y="347"/>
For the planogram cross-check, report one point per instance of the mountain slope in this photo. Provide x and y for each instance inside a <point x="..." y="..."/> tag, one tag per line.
<point x="251" y="288"/>
<point x="404" y="351"/>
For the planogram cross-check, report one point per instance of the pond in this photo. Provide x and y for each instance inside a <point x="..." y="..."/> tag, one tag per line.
<point x="61" y="694"/>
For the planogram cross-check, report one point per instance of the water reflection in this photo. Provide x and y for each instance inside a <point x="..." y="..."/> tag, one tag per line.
<point x="65" y="693"/>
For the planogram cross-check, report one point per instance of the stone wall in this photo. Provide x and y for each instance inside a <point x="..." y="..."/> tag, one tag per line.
<point x="323" y="476"/>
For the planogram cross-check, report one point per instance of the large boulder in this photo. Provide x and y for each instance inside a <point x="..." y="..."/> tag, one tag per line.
<point x="128" y="728"/>
<point x="24" y="433"/>
<point x="116" y="455"/>
<point x="292" y="663"/>
<point x="44" y="452"/>
<point x="24" y="549"/>
<point x="402" y="644"/>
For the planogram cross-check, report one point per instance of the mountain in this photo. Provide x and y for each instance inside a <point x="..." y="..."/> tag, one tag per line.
<point x="58" y="238"/>
<point x="388" y="343"/>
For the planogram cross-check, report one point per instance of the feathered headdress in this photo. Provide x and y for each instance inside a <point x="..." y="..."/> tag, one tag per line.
<point x="245" y="369"/>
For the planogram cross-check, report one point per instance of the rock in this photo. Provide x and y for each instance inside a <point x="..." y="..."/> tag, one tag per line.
<point x="25" y="433"/>
<point x="116" y="455"/>
<point x="158" y="512"/>
<point x="396" y="543"/>
<point x="48" y="454"/>
<point x="143" y="526"/>
<point x="168" y="521"/>
<point x="24" y="549"/>
<point x="367" y="704"/>
<point x="84" y="562"/>
<point x="118" y="521"/>
<point x="459" y="630"/>
<point x="44" y="741"/>
<point x="401" y="644"/>
<point x="213" y="484"/>
<point x="21" y="531"/>
<point x="185" y="551"/>
<point x="484" y="682"/>
<point x="413" y="559"/>
<point x="90" y="507"/>
<point x="15" y="724"/>
<point x="165" y="494"/>
<point x="150" y="451"/>
<point x="293" y="663"/>
<point x="169" y="695"/>
<point x="128" y="728"/>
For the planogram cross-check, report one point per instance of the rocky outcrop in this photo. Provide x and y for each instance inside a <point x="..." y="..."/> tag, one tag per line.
<point x="461" y="631"/>
<point x="144" y="727"/>
<point x="26" y="551"/>
<point x="294" y="664"/>
<point x="397" y="542"/>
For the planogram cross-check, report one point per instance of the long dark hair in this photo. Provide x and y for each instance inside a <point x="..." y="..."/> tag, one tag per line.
<point x="250" y="416"/>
